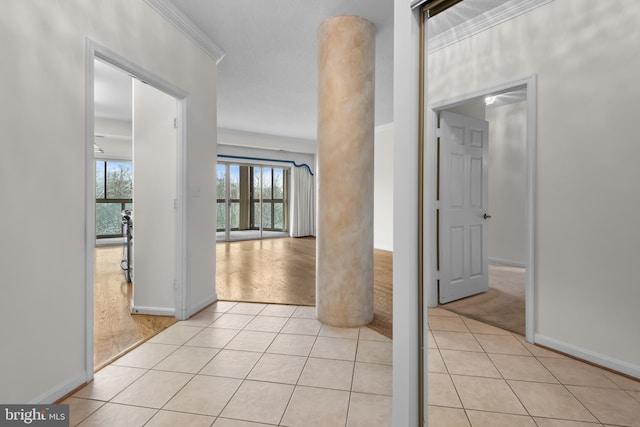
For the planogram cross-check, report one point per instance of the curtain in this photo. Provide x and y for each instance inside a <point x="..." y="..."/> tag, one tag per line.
<point x="303" y="203"/>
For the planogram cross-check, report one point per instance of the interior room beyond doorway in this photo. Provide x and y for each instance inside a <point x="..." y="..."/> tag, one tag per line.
<point x="253" y="201"/>
<point x="503" y="302"/>
<point x="117" y="161"/>
<point x="282" y="271"/>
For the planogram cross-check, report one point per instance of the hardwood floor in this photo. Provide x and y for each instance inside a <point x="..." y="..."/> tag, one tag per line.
<point x="279" y="270"/>
<point x="282" y="271"/>
<point x="116" y="330"/>
<point x="382" y="292"/>
<point x="502" y="305"/>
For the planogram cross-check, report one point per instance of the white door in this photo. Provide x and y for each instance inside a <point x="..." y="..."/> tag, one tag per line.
<point x="463" y="206"/>
<point x="154" y="197"/>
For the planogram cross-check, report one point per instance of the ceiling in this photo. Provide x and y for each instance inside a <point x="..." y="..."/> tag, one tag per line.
<point x="267" y="80"/>
<point x="112" y="90"/>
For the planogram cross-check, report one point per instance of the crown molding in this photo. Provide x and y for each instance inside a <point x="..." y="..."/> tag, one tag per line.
<point x="491" y="18"/>
<point x="191" y="30"/>
<point x="265" y="141"/>
<point x="417" y="3"/>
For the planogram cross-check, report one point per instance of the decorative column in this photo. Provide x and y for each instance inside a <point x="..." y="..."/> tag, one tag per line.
<point x="344" y="261"/>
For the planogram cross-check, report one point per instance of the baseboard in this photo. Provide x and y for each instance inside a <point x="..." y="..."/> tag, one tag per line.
<point x="590" y="356"/>
<point x="508" y="262"/>
<point x="115" y="241"/>
<point x="158" y="311"/>
<point x="198" y="307"/>
<point x="60" y="390"/>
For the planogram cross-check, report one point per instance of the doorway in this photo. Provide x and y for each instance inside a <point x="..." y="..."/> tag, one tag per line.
<point x="498" y="297"/>
<point x="113" y="163"/>
<point x="470" y="105"/>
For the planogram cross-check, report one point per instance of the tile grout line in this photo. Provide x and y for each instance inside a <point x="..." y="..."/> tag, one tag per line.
<point x="353" y="375"/>
<point x="507" y="382"/>
<point x="299" y="376"/>
<point x="198" y="371"/>
<point x="193" y="376"/>
<point x="244" y="379"/>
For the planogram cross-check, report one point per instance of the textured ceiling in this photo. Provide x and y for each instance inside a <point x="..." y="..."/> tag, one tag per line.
<point x="460" y="13"/>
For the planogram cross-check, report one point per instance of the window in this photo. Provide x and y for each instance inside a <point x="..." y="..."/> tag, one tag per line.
<point x="114" y="193"/>
<point x="274" y="193"/>
<point x="221" y="211"/>
<point x="254" y="197"/>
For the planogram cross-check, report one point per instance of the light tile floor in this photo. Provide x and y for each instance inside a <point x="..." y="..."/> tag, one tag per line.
<point x="248" y="365"/>
<point x="245" y="365"/>
<point x="481" y="376"/>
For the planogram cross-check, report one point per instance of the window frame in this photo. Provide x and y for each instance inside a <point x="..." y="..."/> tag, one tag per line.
<point x="105" y="199"/>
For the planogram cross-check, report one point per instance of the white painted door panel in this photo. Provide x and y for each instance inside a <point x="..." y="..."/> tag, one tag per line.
<point x="154" y="194"/>
<point x="463" y="204"/>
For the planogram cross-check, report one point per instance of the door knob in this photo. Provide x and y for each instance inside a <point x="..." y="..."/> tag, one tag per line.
<point x="485" y="216"/>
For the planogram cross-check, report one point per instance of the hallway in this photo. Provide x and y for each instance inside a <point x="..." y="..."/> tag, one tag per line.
<point x="238" y="364"/>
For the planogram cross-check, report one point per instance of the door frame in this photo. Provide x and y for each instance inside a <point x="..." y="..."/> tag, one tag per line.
<point x="94" y="51"/>
<point x="430" y="182"/>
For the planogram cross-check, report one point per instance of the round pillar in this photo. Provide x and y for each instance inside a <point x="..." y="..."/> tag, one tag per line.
<point x="344" y="261"/>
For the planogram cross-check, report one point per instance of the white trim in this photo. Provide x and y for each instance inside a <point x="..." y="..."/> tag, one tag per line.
<point x="113" y="136"/>
<point x="508" y="262"/>
<point x="431" y="287"/>
<point x="406" y="404"/>
<point x="101" y="156"/>
<point x="382" y="128"/>
<point x="589" y="356"/>
<point x="417" y="3"/>
<point x="430" y="207"/>
<point x="191" y="30"/>
<point x="482" y="22"/>
<point x="532" y="179"/>
<point x="110" y="241"/>
<point x="182" y="277"/>
<point x="93" y="51"/>
<point x="90" y="209"/>
<point x="239" y="160"/>
<point x="196" y="308"/>
<point x="240" y="138"/>
<point x="61" y="389"/>
<point x="158" y="311"/>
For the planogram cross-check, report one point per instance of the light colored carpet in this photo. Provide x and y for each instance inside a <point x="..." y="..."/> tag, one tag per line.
<point x="502" y="305"/>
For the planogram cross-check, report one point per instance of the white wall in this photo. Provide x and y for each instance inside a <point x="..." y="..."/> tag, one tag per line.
<point x="115" y="138"/>
<point x="473" y="108"/>
<point x="248" y="152"/>
<point x="507" y="183"/>
<point x="42" y="176"/>
<point x="588" y="197"/>
<point x="383" y="188"/>
<point x="405" y="215"/>
<point x="154" y="192"/>
<point x="105" y="126"/>
<point x="265" y="141"/>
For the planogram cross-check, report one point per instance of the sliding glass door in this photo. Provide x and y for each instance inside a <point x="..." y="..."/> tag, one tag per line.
<point x="252" y="201"/>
